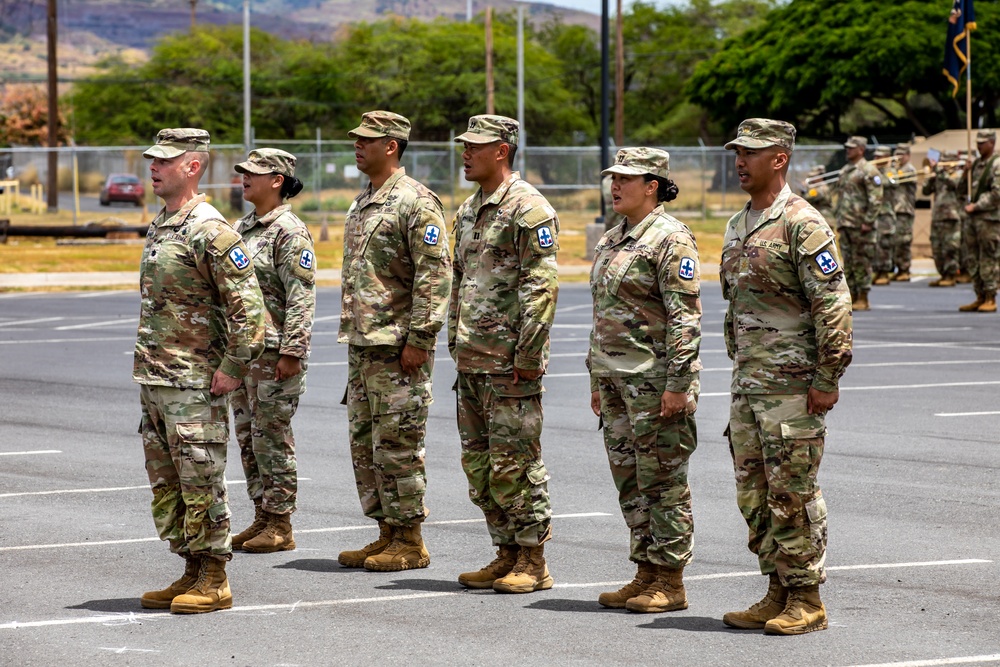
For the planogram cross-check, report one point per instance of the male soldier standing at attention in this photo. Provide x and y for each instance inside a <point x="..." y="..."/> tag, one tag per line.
<point x="984" y="214"/>
<point x="788" y="331"/>
<point x="885" y="226"/>
<point x="904" y="207"/>
<point x="201" y="323"/>
<point x="502" y="306"/>
<point x="396" y="282"/>
<point x="947" y="185"/>
<point x="859" y="190"/>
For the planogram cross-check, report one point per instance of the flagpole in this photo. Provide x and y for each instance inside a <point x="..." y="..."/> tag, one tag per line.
<point x="968" y="105"/>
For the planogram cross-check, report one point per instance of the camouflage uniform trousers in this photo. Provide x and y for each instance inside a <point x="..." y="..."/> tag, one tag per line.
<point x="387" y="420"/>
<point x="902" y="253"/>
<point x="776" y="448"/>
<point x="946" y="239"/>
<point x="262" y="417"/>
<point x="885" y="246"/>
<point x="857" y="249"/>
<point x="500" y="425"/>
<point x="184" y="437"/>
<point x="984" y="255"/>
<point x="649" y="456"/>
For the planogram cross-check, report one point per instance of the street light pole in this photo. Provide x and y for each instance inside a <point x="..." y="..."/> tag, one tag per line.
<point x="605" y="99"/>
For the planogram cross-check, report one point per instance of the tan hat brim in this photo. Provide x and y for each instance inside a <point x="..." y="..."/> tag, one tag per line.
<point x="748" y="142"/>
<point x="162" y="151"/>
<point x="251" y="168"/>
<point x="366" y="132"/>
<point x="624" y="171"/>
<point x="474" y="138"/>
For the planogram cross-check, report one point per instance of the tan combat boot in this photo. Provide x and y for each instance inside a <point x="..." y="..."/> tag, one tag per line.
<point x="209" y="593"/>
<point x="500" y="567"/>
<point x="972" y="307"/>
<point x="529" y="573"/>
<point x="963" y="279"/>
<point x="943" y="281"/>
<point x="276" y="536"/>
<point x="666" y="593"/>
<point x="989" y="304"/>
<point x="901" y="277"/>
<point x="861" y="303"/>
<point x="760" y="613"/>
<point x="162" y="599"/>
<point x="357" y="557"/>
<point x="804" y="612"/>
<point x="405" y="552"/>
<point x="644" y="577"/>
<point x="881" y="278"/>
<point x="259" y="524"/>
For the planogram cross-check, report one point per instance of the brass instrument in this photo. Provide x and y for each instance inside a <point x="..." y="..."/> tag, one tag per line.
<point x="831" y="177"/>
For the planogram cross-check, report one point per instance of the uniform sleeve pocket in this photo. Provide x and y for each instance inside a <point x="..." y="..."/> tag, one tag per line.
<point x="537" y="474"/>
<point x="203" y="432"/>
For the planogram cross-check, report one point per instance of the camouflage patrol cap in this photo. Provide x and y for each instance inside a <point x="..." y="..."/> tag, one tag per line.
<point x="268" y="161"/>
<point x="176" y="141"/>
<point x="902" y="149"/>
<point x="986" y="135"/>
<point x="639" y="161"/>
<point x="487" y="128"/>
<point x="856" y="142"/>
<point x="763" y="132"/>
<point x="882" y="150"/>
<point x="375" y="124"/>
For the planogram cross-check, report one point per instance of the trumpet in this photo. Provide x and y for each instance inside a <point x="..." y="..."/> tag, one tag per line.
<point x="831" y="177"/>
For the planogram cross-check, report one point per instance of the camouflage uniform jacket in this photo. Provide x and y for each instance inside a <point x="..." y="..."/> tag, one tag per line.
<point x="506" y="283"/>
<point x="821" y="198"/>
<point x="201" y="307"/>
<point x="788" y="322"/>
<point x="889" y="193"/>
<point x="859" y="192"/>
<point x="986" y="191"/>
<point x="646" y="287"/>
<point x="285" y="264"/>
<point x="906" y="193"/>
<point x="947" y="188"/>
<point x="397" y="268"/>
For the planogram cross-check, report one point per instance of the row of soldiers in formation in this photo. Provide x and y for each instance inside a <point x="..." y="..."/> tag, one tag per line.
<point x="873" y="205"/>
<point x="226" y="318"/>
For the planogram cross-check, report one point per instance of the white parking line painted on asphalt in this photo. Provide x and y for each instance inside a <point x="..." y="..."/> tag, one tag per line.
<point x="326" y="318"/>
<point x="313" y="364"/>
<point x="717" y="394"/>
<point x="568" y="309"/>
<point x="229" y="482"/>
<point x="934" y="662"/>
<point x="36" y="451"/>
<point x="337" y="529"/>
<point x="965" y="414"/>
<point x="92" y="295"/>
<point x="17" y="323"/>
<point x="132" y="617"/>
<point x="35" y="341"/>
<point x="93" y="325"/>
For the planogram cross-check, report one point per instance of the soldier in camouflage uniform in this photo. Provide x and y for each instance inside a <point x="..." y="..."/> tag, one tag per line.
<point x="788" y="331"/>
<point x="818" y="193"/>
<point x="859" y="198"/>
<point x="502" y="306"/>
<point x="984" y="213"/>
<point x="947" y="186"/>
<point x="285" y="264"/>
<point x="396" y="283"/>
<point x="644" y="365"/>
<point x="905" y="206"/>
<point x="201" y="324"/>
<point x="885" y="225"/>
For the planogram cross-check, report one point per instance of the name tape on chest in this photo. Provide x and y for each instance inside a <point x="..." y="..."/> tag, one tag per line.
<point x="306" y="259"/>
<point x="545" y="239"/>
<point x="686" y="269"/>
<point x="826" y="263"/>
<point x="239" y="258"/>
<point x="432" y="234"/>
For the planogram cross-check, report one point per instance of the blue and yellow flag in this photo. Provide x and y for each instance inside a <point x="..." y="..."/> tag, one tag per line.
<point x="960" y="22"/>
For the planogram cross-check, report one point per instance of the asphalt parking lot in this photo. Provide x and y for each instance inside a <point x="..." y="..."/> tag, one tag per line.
<point x="910" y="476"/>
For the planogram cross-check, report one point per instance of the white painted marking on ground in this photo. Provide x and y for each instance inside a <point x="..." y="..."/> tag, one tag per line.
<point x="299" y="604"/>
<point x="891" y="364"/>
<point x="327" y="363"/>
<point x="572" y="326"/>
<point x="326" y="318"/>
<point x="965" y="414"/>
<point x="106" y="489"/>
<point x="964" y="660"/>
<point x="95" y="543"/>
<point x="27" y="453"/>
<point x="568" y="354"/>
<point x="451" y="522"/>
<point x="92" y="295"/>
<point x="94" y="325"/>
<point x="17" y="323"/>
<point x="125" y="649"/>
<point x="572" y="308"/>
<point x="886" y="386"/>
<point x="67" y="340"/>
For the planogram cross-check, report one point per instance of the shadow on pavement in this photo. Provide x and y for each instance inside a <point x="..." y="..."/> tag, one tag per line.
<point x="572" y="605"/>
<point x="431" y="585"/>
<point x="317" y="565"/>
<point x="119" y="605"/>
<point x="691" y="624"/>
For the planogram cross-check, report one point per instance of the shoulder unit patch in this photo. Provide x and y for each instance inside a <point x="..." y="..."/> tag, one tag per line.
<point x="826" y="262"/>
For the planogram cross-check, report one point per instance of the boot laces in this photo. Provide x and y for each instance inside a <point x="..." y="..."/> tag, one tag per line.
<point x="523" y="563"/>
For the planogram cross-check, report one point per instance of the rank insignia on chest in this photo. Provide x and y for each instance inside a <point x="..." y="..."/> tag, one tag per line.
<point x="826" y="263"/>
<point x="686" y="270"/>
<point x="432" y="234"/>
<point x="545" y="239"/>
<point x="306" y="259"/>
<point x="239" y="258"/>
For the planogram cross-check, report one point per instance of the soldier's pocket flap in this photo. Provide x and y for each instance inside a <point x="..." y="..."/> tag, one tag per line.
<point x="504" y="386"/>
<point x="398" y="399"/>
<point x="203" y="432"/>
<point x="801" y="432"/>
<point x="537" y="474"/>
<point x="816" y="510"/>
<point x="410" y="486"/>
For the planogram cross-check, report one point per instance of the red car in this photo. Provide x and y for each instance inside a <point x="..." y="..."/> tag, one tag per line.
<point x="122" y="187"/>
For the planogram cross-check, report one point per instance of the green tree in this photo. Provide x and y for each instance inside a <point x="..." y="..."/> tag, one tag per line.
<point x="818" y="63"/>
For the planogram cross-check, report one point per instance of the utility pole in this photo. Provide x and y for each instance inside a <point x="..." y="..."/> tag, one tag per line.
<point x="468" y="11"/>
<point x="246" y="76"/>
<point x="193" y="3"/>
<point x="619" y="78"/>
<point x="605" y="95"/>
<point x="489" y="60"/>
<point x="520" y="90"/>
<point x="53" y="120"/>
